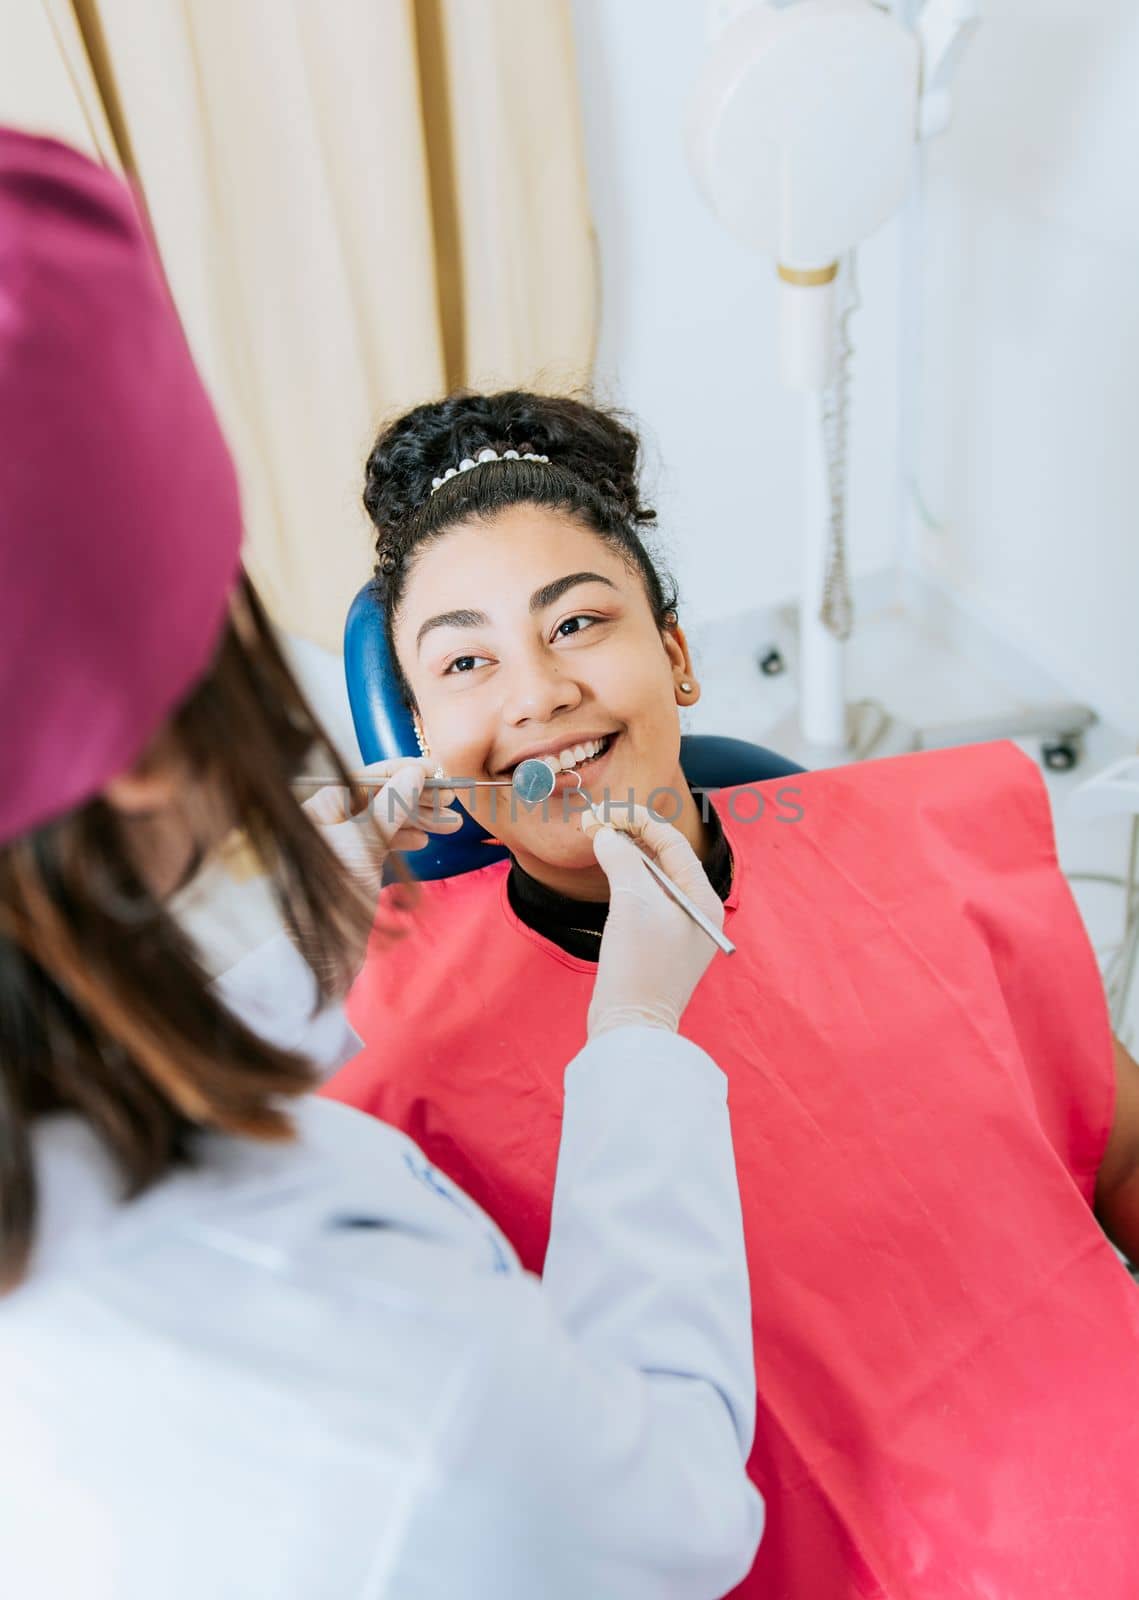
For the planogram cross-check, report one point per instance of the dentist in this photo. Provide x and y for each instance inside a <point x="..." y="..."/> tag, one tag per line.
<point x="253" y="1345"/>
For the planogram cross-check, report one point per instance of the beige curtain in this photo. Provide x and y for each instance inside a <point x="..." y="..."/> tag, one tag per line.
<point x="359" y="203"/>
<point x="47" y="84"/>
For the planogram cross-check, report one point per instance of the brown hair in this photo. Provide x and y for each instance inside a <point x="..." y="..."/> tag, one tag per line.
<point x="105" y="1009"/>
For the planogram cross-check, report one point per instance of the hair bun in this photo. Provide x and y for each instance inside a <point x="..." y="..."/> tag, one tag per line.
<point x="590" y="479"/>
<point x="597" y="446"/>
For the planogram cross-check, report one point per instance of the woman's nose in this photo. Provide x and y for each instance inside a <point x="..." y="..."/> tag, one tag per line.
<point x="538" y="689"/>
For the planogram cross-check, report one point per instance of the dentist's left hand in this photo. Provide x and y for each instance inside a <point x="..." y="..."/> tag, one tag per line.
<point x="399" y="816"/>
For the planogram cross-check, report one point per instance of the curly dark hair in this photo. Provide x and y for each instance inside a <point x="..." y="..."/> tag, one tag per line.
<point x="591" y="474"/>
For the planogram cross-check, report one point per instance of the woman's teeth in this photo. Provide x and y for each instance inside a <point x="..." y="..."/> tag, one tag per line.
<point x="574" y="755"/>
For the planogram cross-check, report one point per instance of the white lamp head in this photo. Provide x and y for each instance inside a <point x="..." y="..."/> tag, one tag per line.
<point x="801" y="134"/>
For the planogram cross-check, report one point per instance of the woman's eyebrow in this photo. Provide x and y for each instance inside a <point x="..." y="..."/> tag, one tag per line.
<point x="549" y="592"/>
<point x="451" y="619"/>
<point x="539" y="600"/>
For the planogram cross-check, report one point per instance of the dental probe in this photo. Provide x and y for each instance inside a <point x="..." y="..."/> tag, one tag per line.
<point x="533" y="781"/>
<point x="719" y="939"/>
<point x="539" y="785"/>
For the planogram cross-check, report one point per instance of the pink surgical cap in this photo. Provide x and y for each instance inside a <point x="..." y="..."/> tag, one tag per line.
<point x="120" y="524"/>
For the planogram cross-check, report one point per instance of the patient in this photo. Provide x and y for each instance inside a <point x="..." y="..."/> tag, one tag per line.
<point x="927" y="1108"/>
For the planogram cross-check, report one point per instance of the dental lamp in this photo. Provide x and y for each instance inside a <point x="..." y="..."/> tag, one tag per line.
<point x="801" y="136"/>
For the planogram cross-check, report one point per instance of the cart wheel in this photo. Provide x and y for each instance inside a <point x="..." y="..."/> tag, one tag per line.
<point x="1061" y="755"/>
<point x="772" y="664"/>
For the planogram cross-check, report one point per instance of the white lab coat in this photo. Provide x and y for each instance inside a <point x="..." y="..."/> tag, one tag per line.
<point x="316" y="1370"/>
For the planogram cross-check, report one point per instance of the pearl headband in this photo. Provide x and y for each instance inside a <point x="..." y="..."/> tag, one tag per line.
<point x="476" y="461"/>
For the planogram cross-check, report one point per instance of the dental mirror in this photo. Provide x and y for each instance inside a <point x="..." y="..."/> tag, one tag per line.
<point x="534" y="781"/>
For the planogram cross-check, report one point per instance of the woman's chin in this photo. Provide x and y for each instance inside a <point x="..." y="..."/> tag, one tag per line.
<point x="562" y="847"/>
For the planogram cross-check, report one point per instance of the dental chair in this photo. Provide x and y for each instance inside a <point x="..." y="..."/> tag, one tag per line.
<point x="384" y="729"/>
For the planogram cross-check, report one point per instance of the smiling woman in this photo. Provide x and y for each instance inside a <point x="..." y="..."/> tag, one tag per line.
<point x="924" y="1099"/>
<point x="573" y="653"/>
<point x="574" y="668"/>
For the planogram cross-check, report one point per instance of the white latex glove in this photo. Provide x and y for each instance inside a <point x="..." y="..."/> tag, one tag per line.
<point x="652" y="954"/>
<point x="399" y="816"/>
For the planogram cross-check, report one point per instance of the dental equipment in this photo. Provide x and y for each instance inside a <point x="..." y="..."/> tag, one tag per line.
<point x="805" y="129"/>
<point x="543" y="788"/>
<point x="718" y="938"/>
<point x="539" y="785"/>
<point x="533" y="781"/>
<point x="801" y="137"/>
<point x="527" y="781"/>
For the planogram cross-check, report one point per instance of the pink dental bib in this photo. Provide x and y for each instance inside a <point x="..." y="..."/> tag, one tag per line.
<point x="915" y="1036"/>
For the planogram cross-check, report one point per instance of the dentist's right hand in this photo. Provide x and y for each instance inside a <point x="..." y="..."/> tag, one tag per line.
<point x="652" y="954"/>
<point x="399" y="815"/>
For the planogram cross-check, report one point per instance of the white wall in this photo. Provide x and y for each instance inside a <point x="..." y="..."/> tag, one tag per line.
<point x="1028" y="408"/>
<point x="1030" y="397"/>
<point x="688" y="331"/>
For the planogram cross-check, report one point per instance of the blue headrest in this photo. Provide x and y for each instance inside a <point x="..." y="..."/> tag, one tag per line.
<point x="379" y="712"/>
<point x="384" y="728"/>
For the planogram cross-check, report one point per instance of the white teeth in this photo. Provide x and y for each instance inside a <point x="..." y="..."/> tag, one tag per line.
<point x="573" y="756"/>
